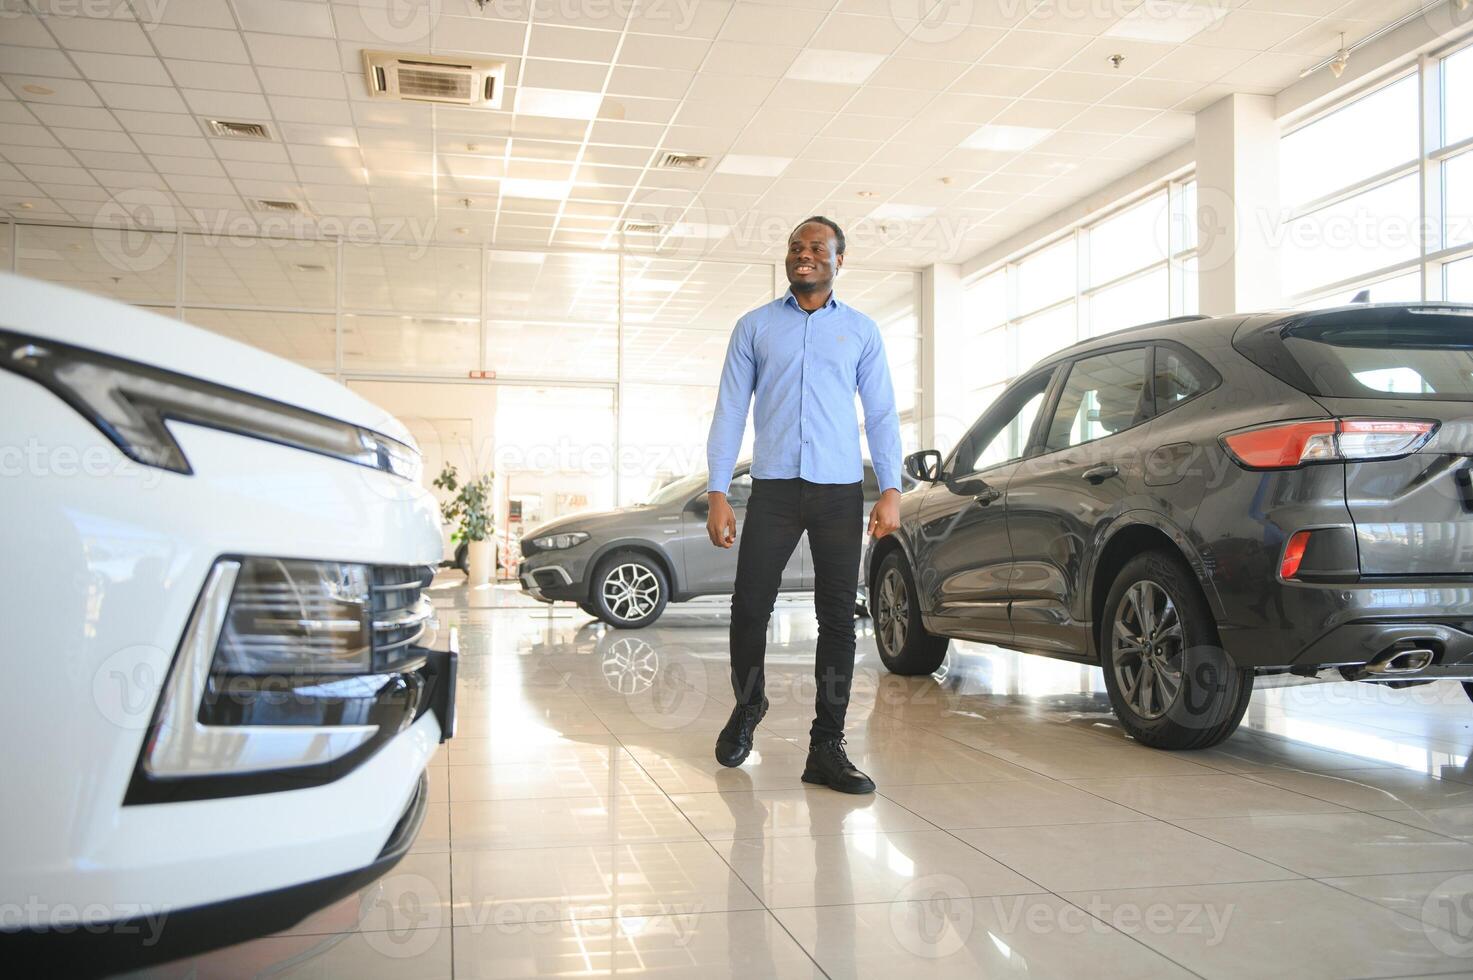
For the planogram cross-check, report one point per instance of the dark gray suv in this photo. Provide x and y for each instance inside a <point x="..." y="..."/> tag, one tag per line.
<point x="624" y="565"/>
<point x="1195" y="503"/>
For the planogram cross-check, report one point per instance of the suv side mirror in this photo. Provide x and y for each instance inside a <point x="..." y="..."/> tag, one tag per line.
<point x="924" y="466"/>
<point x="967" y="488"/>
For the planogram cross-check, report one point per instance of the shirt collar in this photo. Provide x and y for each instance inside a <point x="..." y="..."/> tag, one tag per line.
<point x="790" y="300"/>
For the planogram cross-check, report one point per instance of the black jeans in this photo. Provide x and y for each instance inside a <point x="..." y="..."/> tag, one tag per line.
<point x="778" y="513"/>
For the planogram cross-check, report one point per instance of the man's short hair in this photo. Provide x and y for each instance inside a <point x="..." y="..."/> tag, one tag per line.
<point x="828" y="223"/>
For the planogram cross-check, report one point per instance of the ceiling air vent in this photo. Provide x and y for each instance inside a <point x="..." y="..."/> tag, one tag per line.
<point x="433" y="78"/>
<point x="278" y="207"/>
<point x="238" y="130"/>
<point x="683" y="161"/>
<point x="641" y="228"/>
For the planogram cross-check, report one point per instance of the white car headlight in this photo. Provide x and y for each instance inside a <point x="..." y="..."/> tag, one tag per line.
<point x="557" y="542"/>
<point x="287" y="665"/>
<point x="131" y="404"/>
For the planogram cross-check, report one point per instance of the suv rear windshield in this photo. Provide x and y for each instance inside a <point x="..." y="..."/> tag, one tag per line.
<point x="1398" y="353"/>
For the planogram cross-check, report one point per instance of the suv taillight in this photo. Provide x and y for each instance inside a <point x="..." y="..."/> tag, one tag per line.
<point x="1285" y="445"/>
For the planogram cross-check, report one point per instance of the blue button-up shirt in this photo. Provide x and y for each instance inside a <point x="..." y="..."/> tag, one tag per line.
<point x="804" y="368"/>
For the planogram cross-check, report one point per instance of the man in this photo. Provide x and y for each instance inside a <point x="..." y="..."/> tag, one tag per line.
<point x="802" y="357"/>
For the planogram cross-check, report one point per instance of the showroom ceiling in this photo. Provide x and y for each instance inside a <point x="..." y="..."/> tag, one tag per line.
<point x="932" y="137"/>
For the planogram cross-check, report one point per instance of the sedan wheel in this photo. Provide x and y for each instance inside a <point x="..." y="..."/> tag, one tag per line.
<point x="629" y="590"/>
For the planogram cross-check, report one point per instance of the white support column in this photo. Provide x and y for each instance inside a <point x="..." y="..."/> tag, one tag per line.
<point x="943" y="382"/>
<point x="1238" y="209"/>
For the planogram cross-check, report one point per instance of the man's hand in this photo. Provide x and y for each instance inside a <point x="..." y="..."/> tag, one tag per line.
<point x="885" y="517"/>
<point x="720" y="521"/>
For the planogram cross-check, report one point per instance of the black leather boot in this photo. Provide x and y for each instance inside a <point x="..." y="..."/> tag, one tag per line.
<point x="828" y="765"/>
<point x="735" y="741"/>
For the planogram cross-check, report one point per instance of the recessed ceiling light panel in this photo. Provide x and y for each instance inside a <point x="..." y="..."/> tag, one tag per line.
<point x="558" y="103"/>
<point x="752" y="165"/>
<point x="837" y="67"/>
<point x="1006" y="138"/>
<point x="1167" y="21"/>
<point x="540" y="190"/>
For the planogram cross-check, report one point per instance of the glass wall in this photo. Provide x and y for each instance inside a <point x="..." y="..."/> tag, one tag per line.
<point x="1459" y="279"/>
<point x="677" y="318"/>
<point x="631" y="344"/>
<point x="1376" y="203"/>
<point x="1134" y="265"/>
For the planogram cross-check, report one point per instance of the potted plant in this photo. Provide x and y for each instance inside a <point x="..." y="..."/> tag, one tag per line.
<point x="470" y="506"/>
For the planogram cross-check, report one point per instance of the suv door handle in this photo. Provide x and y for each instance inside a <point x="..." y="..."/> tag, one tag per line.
<point x="1099" y="474"/>
<point x="988" y="496"/>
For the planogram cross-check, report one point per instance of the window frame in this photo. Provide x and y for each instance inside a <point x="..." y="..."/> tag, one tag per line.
<point x="1182" y="248"/>
<point x="1434" y="256"/>
<point x="1144" y="413"/>
<point x="948" y="475"/>
<point x="1199" y="363"/>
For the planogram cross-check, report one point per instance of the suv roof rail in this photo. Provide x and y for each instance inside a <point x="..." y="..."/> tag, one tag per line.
<point x="1127" y="331"/>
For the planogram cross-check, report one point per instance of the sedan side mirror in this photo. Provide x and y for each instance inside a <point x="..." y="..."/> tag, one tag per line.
<point x="924" y="466"/>
<point x="699" y="505"/>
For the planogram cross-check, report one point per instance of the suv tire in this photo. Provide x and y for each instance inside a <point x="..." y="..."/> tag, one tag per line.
<point x="629" y="590"/>
<point x="1171" y="683"/>
<point x="905" y="646"/>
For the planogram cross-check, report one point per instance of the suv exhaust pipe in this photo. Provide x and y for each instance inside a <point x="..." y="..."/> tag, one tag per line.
<point x="1398" y="660"/>
<point x="1401" y="662"/>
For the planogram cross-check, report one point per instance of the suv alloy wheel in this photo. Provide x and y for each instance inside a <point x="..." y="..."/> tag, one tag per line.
<point x="1170" y="682"/>
<point x="905" y="646"/>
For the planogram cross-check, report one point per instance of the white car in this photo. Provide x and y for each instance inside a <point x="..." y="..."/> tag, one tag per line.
<point x="220" y="695"/>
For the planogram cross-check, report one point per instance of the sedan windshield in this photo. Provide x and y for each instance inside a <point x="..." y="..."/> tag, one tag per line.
<point x="678" y="490"/>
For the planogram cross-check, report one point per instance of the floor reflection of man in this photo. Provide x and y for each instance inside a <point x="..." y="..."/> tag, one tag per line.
<point x="749" y="937"/>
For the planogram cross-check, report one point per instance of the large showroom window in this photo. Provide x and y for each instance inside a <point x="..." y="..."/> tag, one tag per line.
<point x="631" y="345"/>
<point x="1391" y="215"/>
<point x="1134" y="265"/>
<point x="677" y="316"/>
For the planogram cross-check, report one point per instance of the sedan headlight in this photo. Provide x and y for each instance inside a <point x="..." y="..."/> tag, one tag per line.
<point x="131" y="404"/>
<point x="557" y="542"/>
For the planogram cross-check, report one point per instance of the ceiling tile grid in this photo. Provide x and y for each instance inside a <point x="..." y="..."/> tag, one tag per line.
<point x="930" y="136"/>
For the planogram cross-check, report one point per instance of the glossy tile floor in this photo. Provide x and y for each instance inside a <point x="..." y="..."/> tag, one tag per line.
<point x="580" y="826"/>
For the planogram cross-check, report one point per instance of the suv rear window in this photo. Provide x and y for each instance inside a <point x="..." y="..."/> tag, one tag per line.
<point x="1378" y="353"/>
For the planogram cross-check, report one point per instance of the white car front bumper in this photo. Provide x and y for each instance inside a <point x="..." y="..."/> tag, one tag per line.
<point x="103" y="563"/>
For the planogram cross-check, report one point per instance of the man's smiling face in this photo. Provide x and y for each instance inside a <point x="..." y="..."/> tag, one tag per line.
<point x="813" y="259"/>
